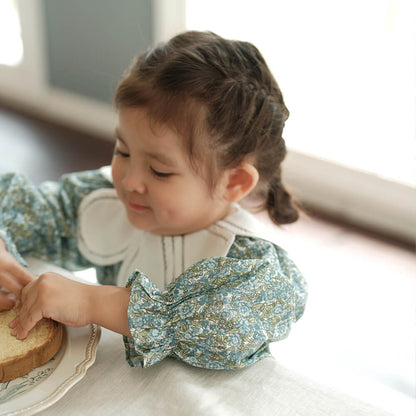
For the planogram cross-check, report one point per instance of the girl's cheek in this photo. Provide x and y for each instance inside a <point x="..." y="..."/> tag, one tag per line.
<point x="117" y="173"/>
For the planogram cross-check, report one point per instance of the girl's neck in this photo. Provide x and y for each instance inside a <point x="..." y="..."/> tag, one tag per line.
<point x="229" y="209"/>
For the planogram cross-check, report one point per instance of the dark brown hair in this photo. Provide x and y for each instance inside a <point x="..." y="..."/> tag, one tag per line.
<point x="203" y="85"/>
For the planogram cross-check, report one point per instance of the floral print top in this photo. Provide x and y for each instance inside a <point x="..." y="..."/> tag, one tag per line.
<point x="220" y="313"/>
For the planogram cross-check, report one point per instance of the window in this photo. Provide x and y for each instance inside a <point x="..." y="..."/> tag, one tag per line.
<point x="11" y="45"/>
<point x="346" y="69"/>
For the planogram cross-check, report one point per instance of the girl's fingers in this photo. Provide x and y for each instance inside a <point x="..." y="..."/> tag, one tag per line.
<point x="13" y="280"/>
<point x="10" y="267"/>
<point x="30" y="311"/>
<point x="8" y="282"/>
<point x="14" y="328"/>
<point x="20" y="332"/>
<point x="13" y="324"/>
<point x="25" y="324"/>
<point x="7" y="301"/>
<point x="21" y="274"/>
<point x="25" y="321"/>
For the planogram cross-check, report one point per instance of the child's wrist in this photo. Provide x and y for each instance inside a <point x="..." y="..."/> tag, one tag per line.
<point x="91" y="303"/>
<point x="107" y="307"/>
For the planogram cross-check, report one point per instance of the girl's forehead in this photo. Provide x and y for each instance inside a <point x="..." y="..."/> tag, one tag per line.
<point x="136" y="125"/>
<point x="187" y="125"/>
<point x="142" y="134"/>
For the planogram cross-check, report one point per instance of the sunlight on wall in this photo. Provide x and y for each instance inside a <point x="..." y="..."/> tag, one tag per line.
<point x="346" y="69"/>
<point x="11" y="46"/>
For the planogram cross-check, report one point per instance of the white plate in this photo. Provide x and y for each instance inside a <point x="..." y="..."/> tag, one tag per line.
<point x="45" y="385"/>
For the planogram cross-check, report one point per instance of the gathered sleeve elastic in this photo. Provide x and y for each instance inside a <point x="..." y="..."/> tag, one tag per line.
<point x="221" y="313"/>
<point x="40" y="221"/>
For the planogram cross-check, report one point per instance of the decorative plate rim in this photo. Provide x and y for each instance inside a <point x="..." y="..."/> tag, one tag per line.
<point x="72" y="373"/>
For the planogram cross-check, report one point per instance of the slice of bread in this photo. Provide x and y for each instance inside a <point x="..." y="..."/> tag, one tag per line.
<point x="18" y="357"/>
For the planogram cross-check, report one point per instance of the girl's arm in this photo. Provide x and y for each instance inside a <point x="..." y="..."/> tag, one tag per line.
<point x="41" y="221"/>
<point x="221" y="313"/>
<point x="71" y="303"/>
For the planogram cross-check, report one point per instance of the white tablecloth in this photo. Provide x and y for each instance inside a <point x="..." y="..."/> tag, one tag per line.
<point x="112" y="387"/>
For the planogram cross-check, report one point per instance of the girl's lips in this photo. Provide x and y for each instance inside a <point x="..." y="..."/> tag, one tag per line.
<point x="137" y="207"/>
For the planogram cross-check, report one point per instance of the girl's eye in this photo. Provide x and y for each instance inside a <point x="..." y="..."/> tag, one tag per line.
<point x="120" y="153"/>
<point x="160" y="174"/>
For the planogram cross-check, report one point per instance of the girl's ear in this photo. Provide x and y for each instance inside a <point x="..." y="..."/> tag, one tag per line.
<point x="239" y="181"/>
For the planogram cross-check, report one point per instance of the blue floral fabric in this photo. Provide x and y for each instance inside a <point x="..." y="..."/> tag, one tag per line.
<point x="41" y="221"/>
<point x="221" y="313"/>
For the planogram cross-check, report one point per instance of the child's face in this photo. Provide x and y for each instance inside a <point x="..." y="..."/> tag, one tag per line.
<point x="155" y="181"/>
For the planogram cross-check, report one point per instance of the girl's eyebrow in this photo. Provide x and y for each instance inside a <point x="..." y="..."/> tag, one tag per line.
<point x="162" y="158"/>
<point x="117" y="135"/>
<point x="159" y="156"/>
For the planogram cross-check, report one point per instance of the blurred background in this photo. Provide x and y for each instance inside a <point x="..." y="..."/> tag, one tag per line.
<point x="347" y="71"/>
<point x="348" y="74"/>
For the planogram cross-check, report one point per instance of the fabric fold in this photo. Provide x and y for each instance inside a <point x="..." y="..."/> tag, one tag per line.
<point x="221" y="313"/>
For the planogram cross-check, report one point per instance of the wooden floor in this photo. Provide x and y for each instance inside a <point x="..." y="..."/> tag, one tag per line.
<point x="358" y="331"/>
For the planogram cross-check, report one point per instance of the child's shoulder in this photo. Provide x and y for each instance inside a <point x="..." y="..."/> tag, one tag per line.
<point x="250" y="233"/>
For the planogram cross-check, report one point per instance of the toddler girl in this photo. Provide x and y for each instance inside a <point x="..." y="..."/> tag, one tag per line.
<point x="186" y="272"/>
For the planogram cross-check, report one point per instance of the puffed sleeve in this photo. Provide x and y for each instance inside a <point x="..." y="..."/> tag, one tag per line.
<point x="40" y="221"/>
<point x="221" y="313"/>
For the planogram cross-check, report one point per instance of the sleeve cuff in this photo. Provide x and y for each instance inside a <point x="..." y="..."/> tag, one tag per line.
<point x="214" y="321"/>
<point x="11" y="248"/>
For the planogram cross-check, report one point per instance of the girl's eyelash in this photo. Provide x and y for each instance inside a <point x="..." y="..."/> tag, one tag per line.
<point x="160" y="174"/>
<point x="122" y="154"/>
<point x="153" y="171"/>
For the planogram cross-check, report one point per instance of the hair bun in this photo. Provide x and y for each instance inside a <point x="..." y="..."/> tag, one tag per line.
<point x="279" y="204"/>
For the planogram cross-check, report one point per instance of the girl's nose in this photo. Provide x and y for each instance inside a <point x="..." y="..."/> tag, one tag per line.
<point x="133" y="182"/>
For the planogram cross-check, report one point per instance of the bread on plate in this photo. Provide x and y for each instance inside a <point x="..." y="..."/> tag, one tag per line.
<point x="18" y="357"/>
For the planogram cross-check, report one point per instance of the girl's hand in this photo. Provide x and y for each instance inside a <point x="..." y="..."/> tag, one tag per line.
<point x="52" y="296"/>
<point x="13" y="278"/>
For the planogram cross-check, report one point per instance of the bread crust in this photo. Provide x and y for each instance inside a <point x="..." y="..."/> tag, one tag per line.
<point x="22" y="364"/>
